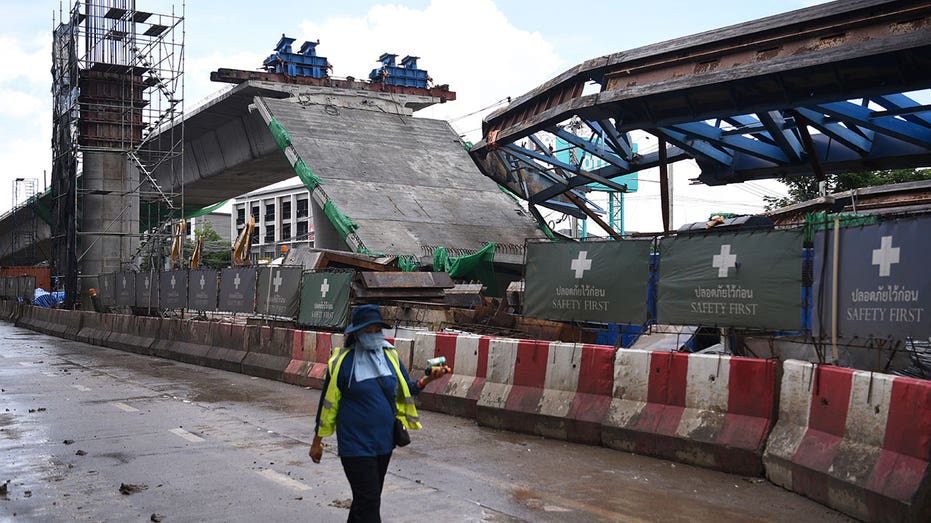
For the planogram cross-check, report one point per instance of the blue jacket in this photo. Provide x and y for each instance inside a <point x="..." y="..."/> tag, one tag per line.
<point x="365" y="423"/>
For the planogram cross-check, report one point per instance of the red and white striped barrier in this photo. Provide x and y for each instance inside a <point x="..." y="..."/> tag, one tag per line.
<point x="857" y="441"/>
<point x="310" y="352"/>
<point x="710" y="411"/>
<point x="558" y="390"/>
<point x="467" y="355"/>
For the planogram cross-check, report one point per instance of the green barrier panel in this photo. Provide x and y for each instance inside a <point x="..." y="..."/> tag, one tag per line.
<point x="278" y="291"/>
<point x="325" y="299"/>
<point x="602" y="282"/>
<point x="744" y="279"/>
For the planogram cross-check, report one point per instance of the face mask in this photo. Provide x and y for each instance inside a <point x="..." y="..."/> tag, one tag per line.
<point x="370" y="340"/>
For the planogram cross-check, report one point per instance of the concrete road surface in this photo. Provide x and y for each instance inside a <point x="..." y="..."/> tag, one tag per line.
<point x="188" y="443"/>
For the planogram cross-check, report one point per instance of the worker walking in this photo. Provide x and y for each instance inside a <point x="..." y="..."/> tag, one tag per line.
<point x="365" y="390"/>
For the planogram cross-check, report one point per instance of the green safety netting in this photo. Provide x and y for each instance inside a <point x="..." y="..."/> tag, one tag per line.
<point x="407" y="263"/>
<point x="822" y="220"/>
<point x="280" y="134"/>
<point x="344" y="225"/>
<point x="42" y="211"/>
<point x="725" y="215"/>
<point x="159" y="212"/>
<point x="479" y="266"/>
<point x="311" y="181"/>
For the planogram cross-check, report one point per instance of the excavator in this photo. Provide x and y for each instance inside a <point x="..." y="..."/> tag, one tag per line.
<point x="241" y="245"/>
<point x="177" y="244"/>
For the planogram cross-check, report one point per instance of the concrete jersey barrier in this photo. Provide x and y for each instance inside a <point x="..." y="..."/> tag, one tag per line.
<point x="710" y="411"/>
<point x="95" y="327"/>
<point x="455" y="393"/>
<point x="558" y="390"/>
<point x="856" y="441"/>
<point x="269" y="352"/>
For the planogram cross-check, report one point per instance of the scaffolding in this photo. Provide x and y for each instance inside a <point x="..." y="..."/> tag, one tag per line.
<point x="118" y="84"/>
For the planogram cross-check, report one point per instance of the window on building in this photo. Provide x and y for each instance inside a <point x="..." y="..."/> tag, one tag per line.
<point x="301" y="231"/>
<point x="269" y="212"/>
<point x="254" y="237"/>
<point x="269" y="234"/>
<point x="241" y="216"/>
<point x="286" y="209"/>
<point x="255" y="213"/>
<point x="302" y="208"/>
<point x="286" y="231"/>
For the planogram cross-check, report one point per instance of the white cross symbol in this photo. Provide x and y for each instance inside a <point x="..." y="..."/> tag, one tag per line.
<point x="146" y="283"/>
<point x="202" y="282"/>
<point x="580" y="264"/>
<point x="277" y="281"/>
<point x="124" y="282"/>
<point x="236" y="281"/>
<point x="885" y="256"/>
<point x="324" y="288"/>
<point x="172" y="281"/>
<point x="724" y="261"/>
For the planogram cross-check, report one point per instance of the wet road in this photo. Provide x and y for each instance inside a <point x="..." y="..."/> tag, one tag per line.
<point x="78" y="421"/>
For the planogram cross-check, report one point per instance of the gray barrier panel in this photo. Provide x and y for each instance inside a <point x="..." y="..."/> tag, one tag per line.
<point x="278" y="291"/>
<point x="27" y="288"/>
<point x="325" y="299"/>
<point x="126" y="288"/>
<point x="202" y="289"/>
<point x="883" y="286"/>
<point x="172" y="289"/>
<point x="744" y="279"/>
<point x="597" y="281"/>
<point x="237" y="289"/>
<point x="106" y="289"/>
<point x="147" y="289"/>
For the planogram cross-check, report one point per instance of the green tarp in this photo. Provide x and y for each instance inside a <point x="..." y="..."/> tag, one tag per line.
<point x="745" y="279"/>
<point x="604" y="282"/>
<point x="479" y="266"/>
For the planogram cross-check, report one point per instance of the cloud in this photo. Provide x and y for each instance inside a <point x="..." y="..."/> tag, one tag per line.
<point x="26" y="59"/>
<point x="21" y="104"/>
<point x="469" y="45"/>
<point x="197" y="84"/>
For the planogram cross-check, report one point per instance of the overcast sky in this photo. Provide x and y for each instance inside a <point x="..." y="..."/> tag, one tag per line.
<point x="485" y="50"/>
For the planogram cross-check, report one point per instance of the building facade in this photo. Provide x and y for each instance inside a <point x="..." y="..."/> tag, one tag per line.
<point x="283" y="216"/>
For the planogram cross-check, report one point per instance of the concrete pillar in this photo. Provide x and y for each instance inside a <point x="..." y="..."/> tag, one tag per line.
<point x="109" y="228"/>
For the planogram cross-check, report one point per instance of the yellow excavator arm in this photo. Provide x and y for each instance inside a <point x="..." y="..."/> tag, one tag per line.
<point x="177" y="244"/>
<point x="241" y="246"/>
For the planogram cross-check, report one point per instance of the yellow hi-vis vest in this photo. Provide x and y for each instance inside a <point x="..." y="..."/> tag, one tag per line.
<point x="407" y="413"/>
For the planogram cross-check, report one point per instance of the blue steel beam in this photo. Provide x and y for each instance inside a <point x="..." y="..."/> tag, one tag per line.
<point x="697" y="148"/>
<point x="890" y="125"/>
<point x="581" y="178"/>
<point x="901" y="105"/>
<point x="714" y="136"/>
<point x="785" y="138"/>
<point x="605" y="129"/>
<point x="602" y="151"/>
<point x="862" y="142"/>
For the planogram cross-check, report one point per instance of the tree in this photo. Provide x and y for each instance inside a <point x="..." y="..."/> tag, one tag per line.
<point x="804" y="188"/>
<point x="216" y="253"/>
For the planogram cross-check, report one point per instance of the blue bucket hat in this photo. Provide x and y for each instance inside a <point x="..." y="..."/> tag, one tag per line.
<point x="365" y="315"/>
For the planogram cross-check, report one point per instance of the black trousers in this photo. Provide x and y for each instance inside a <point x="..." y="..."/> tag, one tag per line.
<point x="366" y="477"/>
